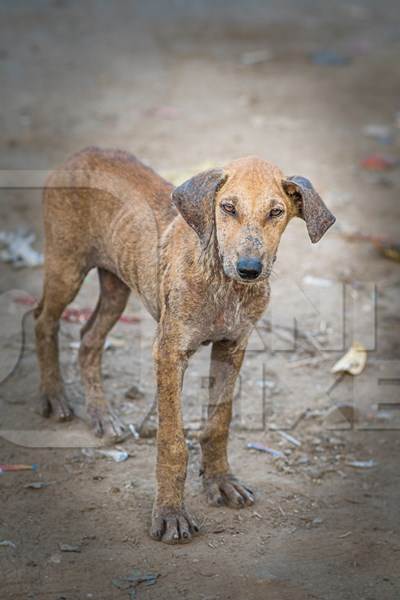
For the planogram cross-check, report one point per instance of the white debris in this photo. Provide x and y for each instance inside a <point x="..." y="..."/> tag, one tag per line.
<point x="363" y="464"/>
<point x="116" y="455"/>
<point x="8" y="543"/>
<point x="256" y="57"/>
<point x="18" y="249"/>
<point x="110" y="344"/>
<point x="289" y="438"/>
<point x="262" y="448"/>
<point x="382" y="133"/>
<point x="317" y="281"/>
<point x="133" y="431"/>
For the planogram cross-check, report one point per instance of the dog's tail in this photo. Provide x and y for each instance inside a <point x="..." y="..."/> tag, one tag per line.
<point x="37" y="310"/>
<point x="23" y="340"/>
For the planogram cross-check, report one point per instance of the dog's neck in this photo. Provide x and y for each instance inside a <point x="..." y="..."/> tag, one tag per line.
<point x="209" y="260"/>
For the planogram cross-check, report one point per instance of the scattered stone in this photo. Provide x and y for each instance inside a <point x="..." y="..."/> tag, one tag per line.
<point x="131" y="582"/>
<point x="330" y="58"/>
<point x="134" y="393"/>
<point x="363" y="464"/>
<point x="55" y="558"/>
<point x="8" y="543"/>
<point x="256" y="57"/>
<point x="69" y="547"/>
<point x="37" y="485"/>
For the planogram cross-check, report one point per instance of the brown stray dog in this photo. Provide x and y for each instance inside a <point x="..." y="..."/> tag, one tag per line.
<point x="200" y="263"/>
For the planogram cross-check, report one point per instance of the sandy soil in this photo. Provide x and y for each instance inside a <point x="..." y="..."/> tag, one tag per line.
<point x="172" y="84"/>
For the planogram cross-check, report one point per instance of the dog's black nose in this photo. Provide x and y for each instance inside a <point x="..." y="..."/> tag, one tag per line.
<point x="249" y="268"/>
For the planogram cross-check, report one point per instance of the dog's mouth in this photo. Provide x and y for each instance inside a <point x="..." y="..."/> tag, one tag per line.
<point x="263" y="276"/>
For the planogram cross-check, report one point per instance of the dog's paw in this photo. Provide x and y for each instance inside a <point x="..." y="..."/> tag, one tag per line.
<point x="105" y="423"/>
<point x="227" y="490"/>
<point x="54" y="404"/>
<point x="172" y="525"/>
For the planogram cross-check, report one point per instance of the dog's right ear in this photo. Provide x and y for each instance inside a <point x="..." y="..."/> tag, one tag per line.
<point x="195" y="201"/>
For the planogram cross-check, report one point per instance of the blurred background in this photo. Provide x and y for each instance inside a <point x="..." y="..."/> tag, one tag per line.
<point x="312" y="86"/>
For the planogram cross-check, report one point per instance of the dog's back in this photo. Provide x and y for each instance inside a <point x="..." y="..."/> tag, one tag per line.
<point x="106" y="209"/>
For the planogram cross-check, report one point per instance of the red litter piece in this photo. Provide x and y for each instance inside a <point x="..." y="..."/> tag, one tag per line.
<point x="379" y="162"/>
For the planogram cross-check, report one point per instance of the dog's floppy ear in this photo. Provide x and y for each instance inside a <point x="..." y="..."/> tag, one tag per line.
<point x="195" y="201"/>
<point x="309" y="206"/>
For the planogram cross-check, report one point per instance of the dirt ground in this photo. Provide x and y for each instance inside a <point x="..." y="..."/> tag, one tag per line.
<point x="183" y="85"/>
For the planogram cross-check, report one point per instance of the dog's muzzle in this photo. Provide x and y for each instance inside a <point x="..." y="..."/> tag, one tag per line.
<point x="249" y="267"/>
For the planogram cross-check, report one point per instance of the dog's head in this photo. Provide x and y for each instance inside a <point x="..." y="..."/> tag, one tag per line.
<point x="248" y="205"/>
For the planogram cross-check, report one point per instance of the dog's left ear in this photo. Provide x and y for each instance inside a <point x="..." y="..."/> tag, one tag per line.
<point x="195" y="201"/>
<point x="309" y="206"/>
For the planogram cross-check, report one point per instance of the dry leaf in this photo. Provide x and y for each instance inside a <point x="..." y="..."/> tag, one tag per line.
<point x="353" y="361"/>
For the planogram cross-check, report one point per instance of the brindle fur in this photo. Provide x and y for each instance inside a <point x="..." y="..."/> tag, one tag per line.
<point x="106" y="210"/>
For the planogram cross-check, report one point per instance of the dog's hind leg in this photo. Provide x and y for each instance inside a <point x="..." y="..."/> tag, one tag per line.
<point x="113" y="298"/>
<point x="61" y="284"/>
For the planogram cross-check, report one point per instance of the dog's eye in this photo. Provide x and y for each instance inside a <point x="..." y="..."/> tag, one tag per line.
<point x="228" y="208"/>
<point x="276" y="212"/>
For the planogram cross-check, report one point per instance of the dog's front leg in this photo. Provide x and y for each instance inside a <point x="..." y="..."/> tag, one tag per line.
<point x="221" y="486"/>
<point x="171" y="523"/>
